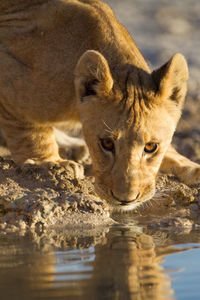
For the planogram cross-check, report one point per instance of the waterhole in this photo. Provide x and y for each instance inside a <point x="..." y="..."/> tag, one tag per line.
<point x="121" y="262"/>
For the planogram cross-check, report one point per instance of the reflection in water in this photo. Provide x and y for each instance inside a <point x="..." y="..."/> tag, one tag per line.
<point x="126" y="265"/>
<point x="73" y="265"/>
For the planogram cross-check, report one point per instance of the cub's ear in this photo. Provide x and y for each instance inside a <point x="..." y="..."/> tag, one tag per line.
<point x="171" y="80"/>
<point x="92" y="75"/>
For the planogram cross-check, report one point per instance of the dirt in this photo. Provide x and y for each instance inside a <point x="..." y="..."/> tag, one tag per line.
<point x="37" y="198"/>
<point x="43" y="201"/>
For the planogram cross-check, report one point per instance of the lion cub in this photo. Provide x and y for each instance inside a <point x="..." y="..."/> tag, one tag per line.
<point x="70" y="60"/>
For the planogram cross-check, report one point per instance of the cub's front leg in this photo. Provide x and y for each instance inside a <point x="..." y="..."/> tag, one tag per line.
<point x="31" y="143"/>
<point x="183" y="168"/>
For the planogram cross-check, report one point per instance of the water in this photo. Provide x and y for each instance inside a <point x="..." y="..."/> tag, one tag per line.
<point x="121" y="262"/>
<point x="186" y="277"/>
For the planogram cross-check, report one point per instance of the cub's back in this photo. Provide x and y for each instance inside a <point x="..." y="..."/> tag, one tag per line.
<point x="41" y="42"/>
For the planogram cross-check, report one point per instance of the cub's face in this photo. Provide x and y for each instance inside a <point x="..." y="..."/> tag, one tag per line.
<point x="127" y="127"/>
<point x="126" y="153"/>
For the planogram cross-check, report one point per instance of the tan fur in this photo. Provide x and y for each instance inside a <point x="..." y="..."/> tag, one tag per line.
<point x="43" y="45"/>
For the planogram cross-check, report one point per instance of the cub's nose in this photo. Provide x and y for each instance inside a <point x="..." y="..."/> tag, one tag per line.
<point x="125" y="200"/>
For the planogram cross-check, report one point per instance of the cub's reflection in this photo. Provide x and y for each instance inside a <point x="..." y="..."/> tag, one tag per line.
<point x="120" y="264"/>
<point x="128" y="267"/>
<point x="123" y="265"/>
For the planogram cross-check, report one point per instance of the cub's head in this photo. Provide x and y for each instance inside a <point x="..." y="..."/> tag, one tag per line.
<point x="128" y="123"/>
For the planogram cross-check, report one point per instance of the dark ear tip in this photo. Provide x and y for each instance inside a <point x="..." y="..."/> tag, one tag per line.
<point x="89" y="88"/>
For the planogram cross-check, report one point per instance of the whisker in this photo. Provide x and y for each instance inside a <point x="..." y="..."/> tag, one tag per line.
<point x="108" y="128"/>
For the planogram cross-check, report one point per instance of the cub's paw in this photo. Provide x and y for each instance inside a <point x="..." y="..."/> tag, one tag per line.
<point x="72" y="148"/>
<point x="195" y="176"/>
<point x="28" y="161"/>
<point x="78" y="153"/>
<point x="73" y="167"/>
<point x="190" y="175"/>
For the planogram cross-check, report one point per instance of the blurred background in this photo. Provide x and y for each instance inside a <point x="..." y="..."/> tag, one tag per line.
<point x="161" y="28"/>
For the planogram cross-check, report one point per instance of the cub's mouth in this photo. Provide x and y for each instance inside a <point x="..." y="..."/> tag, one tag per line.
<point x="124" y="202"/>
<point x="117" y="204"/>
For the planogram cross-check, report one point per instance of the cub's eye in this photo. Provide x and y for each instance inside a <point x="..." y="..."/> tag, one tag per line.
<point x="107" y="144"/>
<point x="150" y="147"/>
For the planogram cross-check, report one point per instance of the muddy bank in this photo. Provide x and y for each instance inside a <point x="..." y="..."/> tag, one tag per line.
<point x="174" y="207"/>
<point x="37" y="198"/>
<point x="49" y="202"/>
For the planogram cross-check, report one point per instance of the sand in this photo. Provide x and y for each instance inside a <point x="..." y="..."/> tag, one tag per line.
<point x="47" y="201"/>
